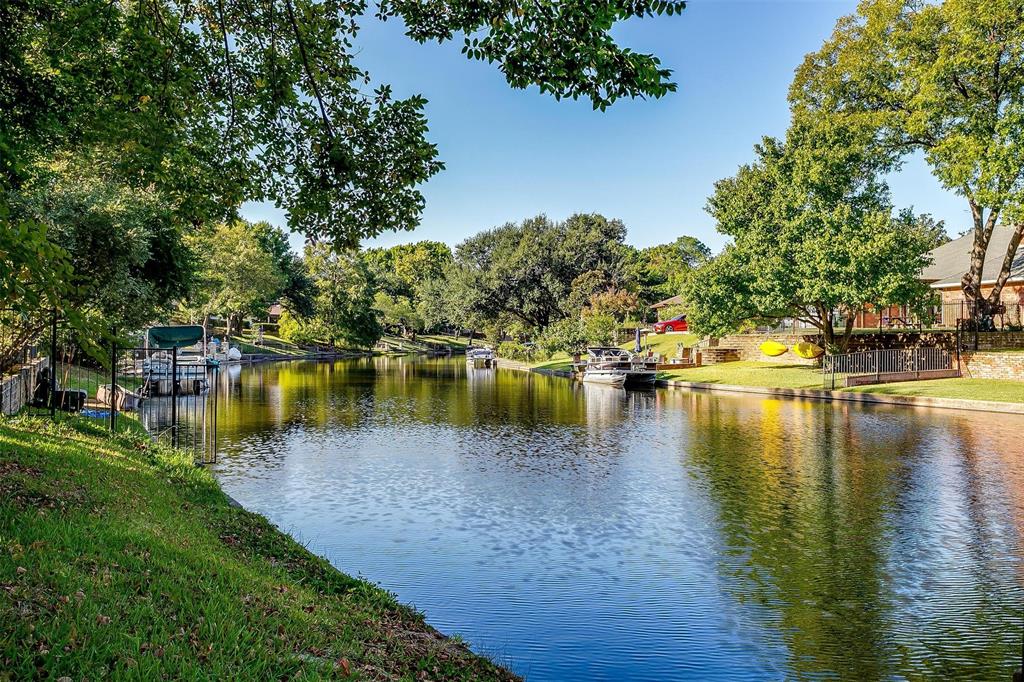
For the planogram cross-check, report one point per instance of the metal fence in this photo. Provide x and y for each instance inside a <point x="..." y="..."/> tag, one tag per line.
<point x="173" y="396"/>
<point x="885" y="362"/>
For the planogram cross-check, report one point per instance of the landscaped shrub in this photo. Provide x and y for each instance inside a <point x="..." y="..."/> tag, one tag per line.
<point x="513" y="350"/>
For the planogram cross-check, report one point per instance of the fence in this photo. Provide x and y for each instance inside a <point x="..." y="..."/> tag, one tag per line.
<point x="885" y="364"/>
<point x="173" y="396"/>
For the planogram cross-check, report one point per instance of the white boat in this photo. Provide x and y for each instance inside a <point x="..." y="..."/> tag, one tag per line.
<point x="480" y="357"/>
<point x="637" y="369"/>
<point x="608" y="377"/>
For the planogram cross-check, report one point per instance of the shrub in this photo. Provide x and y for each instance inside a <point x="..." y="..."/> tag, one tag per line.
<point x="513" y="350"/>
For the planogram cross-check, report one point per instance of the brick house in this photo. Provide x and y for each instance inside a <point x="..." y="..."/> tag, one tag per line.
<point x="951" y="260"/>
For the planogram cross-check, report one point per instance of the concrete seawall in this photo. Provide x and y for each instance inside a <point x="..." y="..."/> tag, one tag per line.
<point x="808" y="393"/>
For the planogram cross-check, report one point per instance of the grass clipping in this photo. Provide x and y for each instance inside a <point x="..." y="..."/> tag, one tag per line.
<point x="119" y="558"/>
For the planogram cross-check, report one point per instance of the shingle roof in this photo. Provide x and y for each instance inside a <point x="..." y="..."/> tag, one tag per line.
<point x="675" y="300"/>
<point x="951" y="260"/>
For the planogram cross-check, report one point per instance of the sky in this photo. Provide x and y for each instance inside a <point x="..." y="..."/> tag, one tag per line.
<point x="512" y="154"/>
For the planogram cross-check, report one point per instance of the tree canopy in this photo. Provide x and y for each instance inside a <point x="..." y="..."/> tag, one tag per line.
<point x="813" y="237"/>
<point x="215" y="102"/>
<point x="526" y="272"/>
<point x="945" y="79"/>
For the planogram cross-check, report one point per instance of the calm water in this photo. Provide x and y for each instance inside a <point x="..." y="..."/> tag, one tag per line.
<point x="587" y="533"/>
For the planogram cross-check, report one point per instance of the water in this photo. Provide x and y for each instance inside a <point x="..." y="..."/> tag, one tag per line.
<point x="587" y="533"/>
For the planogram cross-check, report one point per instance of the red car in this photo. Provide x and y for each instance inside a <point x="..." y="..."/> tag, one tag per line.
<point x="675" y="324"/>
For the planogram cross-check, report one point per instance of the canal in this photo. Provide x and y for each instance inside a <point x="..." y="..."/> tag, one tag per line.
<point x="588" y="533"/>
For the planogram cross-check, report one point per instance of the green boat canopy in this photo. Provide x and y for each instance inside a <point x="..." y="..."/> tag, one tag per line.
<point x="174" y="337"/>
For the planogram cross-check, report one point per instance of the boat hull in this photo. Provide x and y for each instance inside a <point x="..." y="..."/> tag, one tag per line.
<point x="617" y="379"/>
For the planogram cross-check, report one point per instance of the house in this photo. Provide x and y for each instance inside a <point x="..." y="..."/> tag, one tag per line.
<point x="274" y="313"/>
<point x="952" y="260"/>
<point x="667" y="303"/>
<point x="949" y="264"/>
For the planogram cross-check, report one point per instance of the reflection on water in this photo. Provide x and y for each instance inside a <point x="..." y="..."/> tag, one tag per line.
<point x="581" y="532"/>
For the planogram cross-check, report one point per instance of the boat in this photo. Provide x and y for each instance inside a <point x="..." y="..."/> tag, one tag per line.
<point x="773" y="349"/>
<point x="808" y="350"/>
<point x="637" y="369"/>
<point x="608" y="377"/>
<point x="481" y="357"/>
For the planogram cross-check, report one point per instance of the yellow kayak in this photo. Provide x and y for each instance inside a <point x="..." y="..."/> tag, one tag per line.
<point x="773" y="348"/>
<point x="808" y="351"/>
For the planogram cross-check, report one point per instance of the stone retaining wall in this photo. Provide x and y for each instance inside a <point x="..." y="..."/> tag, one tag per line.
<point x="16" y="388"/>
<point x="993" y="365"/>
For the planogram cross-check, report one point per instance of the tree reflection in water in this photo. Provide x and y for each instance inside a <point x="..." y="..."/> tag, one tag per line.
<point x="594" y="533"/>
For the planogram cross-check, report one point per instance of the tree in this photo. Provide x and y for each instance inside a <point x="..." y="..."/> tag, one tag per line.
<point x="527" y="271"/>
<point x="343" y="305"/>
<point x="661" y="271"/>
<point x="238" y="276"/>
<point x="128" y="261"/>
<point x="399" y="269"/>
<point x="215" y="102"/>
<point x="397" y="311"/>
<point x="813" y="237"/>
<point x="945" y="79"/>
<point x="296" y="289"/>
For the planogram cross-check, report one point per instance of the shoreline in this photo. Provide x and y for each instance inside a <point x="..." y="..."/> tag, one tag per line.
<point x="807" y="393"/>
<point x="114" y="520"/>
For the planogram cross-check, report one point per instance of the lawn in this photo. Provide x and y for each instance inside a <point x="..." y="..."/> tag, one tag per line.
<point x="750" y="373"/>
<point x="121" y="559"/>
<point x="557" y="362"/>
<point x="997" y="390"/>
<point x="665" y="344"/>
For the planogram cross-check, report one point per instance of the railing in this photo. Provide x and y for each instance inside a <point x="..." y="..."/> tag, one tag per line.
<point x="885" y="362"/>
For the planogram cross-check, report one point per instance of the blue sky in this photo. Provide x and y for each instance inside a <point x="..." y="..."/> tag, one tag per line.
<point x="511" y="154"/>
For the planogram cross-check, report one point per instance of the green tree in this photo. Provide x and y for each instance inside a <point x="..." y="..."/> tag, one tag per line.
<point x="813" y="238"/>
<point x="944" y="79"/>
<point x="296" y="289"/>
<point x="397" y="312"/>
<point x="662" y="271"/>
<point x="215" y="102"/>
<point x="129" y="261"/>
<point x="527" y="271"/>
<point x="343" y="305"/>
<point x="238" y="276"/>
<point x="399" y="269"/>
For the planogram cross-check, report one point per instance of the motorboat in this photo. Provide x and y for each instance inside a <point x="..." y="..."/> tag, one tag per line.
<point x="480" y="357"/>
<point x="638" y="370"/>
<point x="607" y="377"/>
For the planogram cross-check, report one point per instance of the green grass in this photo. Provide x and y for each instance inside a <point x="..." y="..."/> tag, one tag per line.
<point x="773" y="375"/>
<point x="750" y="373"/>
<point x="272" y="345"/>
<point x="121" y="559"/>
<point x="446" y="339"/>
<point x="997" y="390"/>
<point x="89" y="379"/>
<point x="665" y="344"/>
<point x="557" y="362"/>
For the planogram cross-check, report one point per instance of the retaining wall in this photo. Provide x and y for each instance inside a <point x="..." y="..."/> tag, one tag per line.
<point x="990" y="365"/>
<point x="16" y="388"/>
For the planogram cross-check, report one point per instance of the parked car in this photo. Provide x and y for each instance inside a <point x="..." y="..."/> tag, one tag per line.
<point x="675" y="324"/>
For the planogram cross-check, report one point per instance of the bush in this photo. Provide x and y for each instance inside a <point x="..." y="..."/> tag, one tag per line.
<point x="295" y="330"/>
<point x="565" y="336"/>
<point x="513" y="350"/>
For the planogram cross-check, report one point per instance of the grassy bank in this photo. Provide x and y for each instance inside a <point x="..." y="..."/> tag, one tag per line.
<point x="120" y="558"/>
<point x="750" y="373"/>
<point x="997" y="390"/>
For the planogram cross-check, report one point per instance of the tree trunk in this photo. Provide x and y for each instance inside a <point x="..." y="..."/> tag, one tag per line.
<point x="1004" y="271"/>
<point x="972" y="279"/>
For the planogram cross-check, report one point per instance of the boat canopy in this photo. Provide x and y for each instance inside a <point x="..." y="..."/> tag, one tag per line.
<point x="174" y="336"/>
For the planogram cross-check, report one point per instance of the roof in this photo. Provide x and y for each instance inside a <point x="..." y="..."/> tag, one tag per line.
<point x="275" y="309"/>
<point x="952" y="260"/>
<point x="675" y="300"/>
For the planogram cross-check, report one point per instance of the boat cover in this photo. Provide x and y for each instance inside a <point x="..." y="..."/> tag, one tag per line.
<point x="175" y="336"/>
